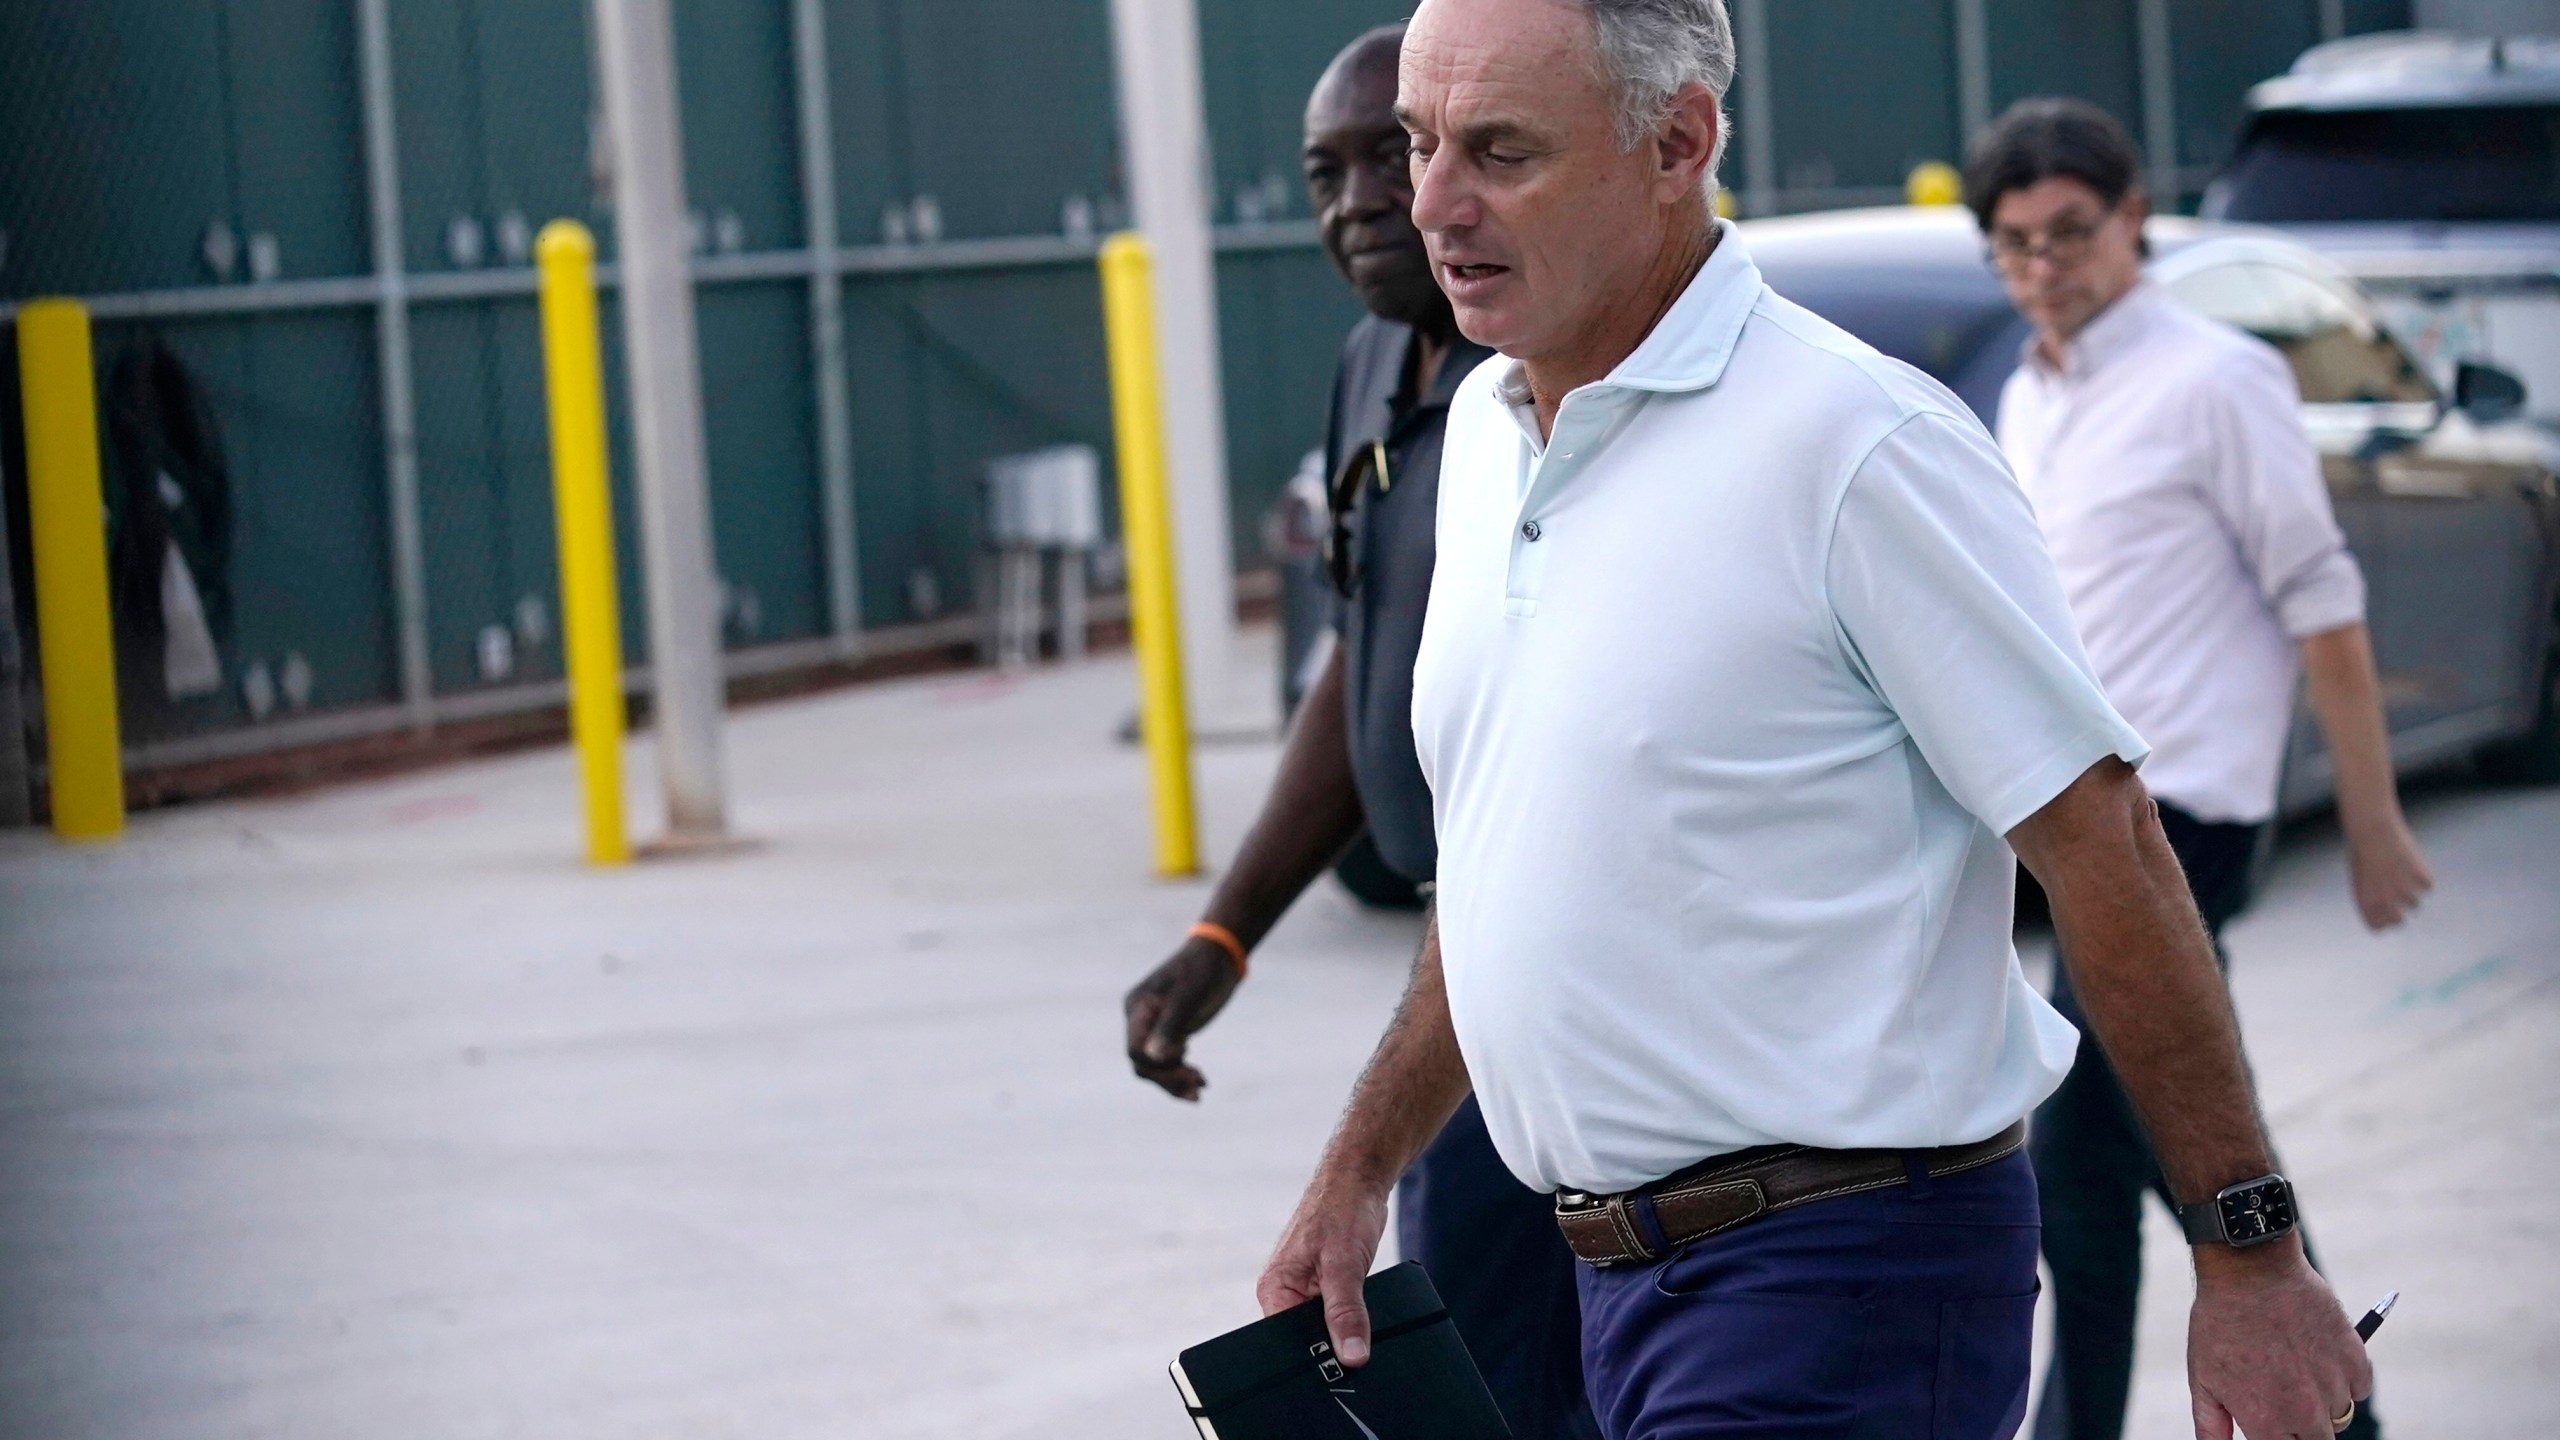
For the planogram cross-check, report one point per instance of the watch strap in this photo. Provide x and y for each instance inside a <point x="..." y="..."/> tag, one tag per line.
<point x="2203" y="1222"/>
<point x="2264" y="1205"/>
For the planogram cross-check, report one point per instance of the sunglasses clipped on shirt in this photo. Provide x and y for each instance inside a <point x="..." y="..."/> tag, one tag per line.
<point x="1369" y="458"/>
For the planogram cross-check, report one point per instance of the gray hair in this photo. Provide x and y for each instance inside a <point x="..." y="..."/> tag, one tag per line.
<point x="1651" y="50"/>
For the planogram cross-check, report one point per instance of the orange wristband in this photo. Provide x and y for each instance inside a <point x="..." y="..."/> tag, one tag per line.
<point x="1222" y="937"/>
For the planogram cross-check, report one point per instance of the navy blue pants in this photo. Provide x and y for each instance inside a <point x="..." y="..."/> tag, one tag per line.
<point x="1494" y="1252"/>
<point x="2093" y="1165"/>
<point x="1896" y="1314"/>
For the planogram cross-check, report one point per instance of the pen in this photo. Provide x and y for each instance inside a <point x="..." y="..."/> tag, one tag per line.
<point x="2372" y="1320"/>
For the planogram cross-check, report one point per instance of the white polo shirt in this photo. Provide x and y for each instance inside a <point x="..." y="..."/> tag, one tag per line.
<point x="1726" y="697"/>
<point x="2185" y="510"/>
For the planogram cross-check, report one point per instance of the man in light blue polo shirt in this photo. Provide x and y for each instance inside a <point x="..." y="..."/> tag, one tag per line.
<point x="1744" y="671"/>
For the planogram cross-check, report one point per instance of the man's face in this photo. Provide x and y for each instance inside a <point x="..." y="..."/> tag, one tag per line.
<point x="1362" y="193"/>
<point x="1535" y="220"/>
<point x="2063" y="253"/>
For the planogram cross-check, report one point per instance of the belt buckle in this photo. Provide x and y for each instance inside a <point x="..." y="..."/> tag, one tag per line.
<point x="1582" y="1206"/>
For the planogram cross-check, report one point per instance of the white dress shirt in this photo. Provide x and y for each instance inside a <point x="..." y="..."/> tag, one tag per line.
<point x="1726" y="696"/>
<point x="2185" y="510"/>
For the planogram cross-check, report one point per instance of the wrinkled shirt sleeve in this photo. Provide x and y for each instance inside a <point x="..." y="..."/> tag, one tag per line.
<point x="1948" y="607"/>
<point x="2265" y="484"/>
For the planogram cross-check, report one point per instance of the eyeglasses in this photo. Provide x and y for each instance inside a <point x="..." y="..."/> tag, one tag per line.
<point x="2066" y="244"/>
<point x="1364" y="461"/>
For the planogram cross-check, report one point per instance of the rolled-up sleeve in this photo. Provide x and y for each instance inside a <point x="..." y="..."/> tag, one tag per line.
<point x="1948" y="606"/>
<point x="2267" y="488"/>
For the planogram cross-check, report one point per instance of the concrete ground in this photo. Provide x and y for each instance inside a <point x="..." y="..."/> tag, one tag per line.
<point x="371" y="1112"/>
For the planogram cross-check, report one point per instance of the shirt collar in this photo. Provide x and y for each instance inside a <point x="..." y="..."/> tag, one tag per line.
<point x="2109" y="334"/>
<point x="1690" y="345"/>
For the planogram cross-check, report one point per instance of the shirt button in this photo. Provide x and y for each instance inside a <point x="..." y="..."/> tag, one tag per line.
<point x="1530" y="531"/>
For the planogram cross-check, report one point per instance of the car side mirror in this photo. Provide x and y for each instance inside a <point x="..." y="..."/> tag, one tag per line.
<point x="2486" y="393"/>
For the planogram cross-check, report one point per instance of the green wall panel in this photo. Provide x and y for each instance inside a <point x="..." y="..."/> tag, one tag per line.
<point x="1282" y="318"/>
<point x="289" y="396"/>
<point x="2087" y="48"/>
<point x="1901" y="53"/>
<point x="128" y="127"/>
<point x="759" y="437"/>
<point x="484" y="477"/>
<point x="950" y="372"/>
<point x="492" y="104"/>
<point x="296" y="123"/>
<point x="2362" y="16"/>
<point x="741" y="124"/>
<point x="1258" y="61"/>
<point x="999" y="110"/>
<point x="2222" y="48"/>
<point x="869" y="118"/>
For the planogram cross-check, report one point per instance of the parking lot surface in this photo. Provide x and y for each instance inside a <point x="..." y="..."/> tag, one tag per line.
<point x="369" y="1111"/>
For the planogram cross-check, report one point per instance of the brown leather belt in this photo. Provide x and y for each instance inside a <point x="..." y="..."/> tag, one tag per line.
<point x="1729" y="1189"/>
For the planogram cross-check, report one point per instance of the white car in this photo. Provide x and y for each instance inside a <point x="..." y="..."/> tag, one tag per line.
<point x="2448" y="499"/>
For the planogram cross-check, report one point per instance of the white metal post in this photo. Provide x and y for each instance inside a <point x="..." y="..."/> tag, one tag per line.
<point x="635" y="51"/>
<point x="2333" y="19"/>
<point x="391" y="345"/>
<point x="826" y="321"/>
<point x="1164" y="146"/>
<point x="2160" y="105"/>
<point x="1973" y="72"/>
<point x="1759" y="133"/>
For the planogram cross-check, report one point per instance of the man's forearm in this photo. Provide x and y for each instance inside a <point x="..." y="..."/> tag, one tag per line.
<point x="2346" y="698"/>
<point x="1310" y="817"/>
<point x="2144" y="970"/>
<point x="1413" y="1083"/>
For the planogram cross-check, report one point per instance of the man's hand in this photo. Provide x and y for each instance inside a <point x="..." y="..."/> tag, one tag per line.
<point x="1311" y="816"/>
<point x="1167" y="1008"/>
<point x="1412" y="1085"/>
<point x="2269" y="1347"/>
<point x="2383" y="863"/>
<point x="2387" y="872"/>
<point x="1326" y="1251"/>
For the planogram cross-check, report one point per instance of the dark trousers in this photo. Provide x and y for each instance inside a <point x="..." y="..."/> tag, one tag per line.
<point x="1494" y="1252"/>
<point x="1897" y="1314"/>
<point x="2093" y="1165"/>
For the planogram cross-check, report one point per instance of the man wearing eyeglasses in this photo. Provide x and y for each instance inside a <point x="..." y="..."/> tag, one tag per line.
<point x="1349" y="767"/>
<point x="2185" y="511"/>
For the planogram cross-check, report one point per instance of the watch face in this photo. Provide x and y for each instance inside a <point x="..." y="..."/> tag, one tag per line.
<point x="2258" y="1211"/>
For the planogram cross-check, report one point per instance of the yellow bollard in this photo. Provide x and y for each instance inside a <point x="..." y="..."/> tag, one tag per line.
<point x="1146" y="530"/>
<point x="75" y="629"/>
<point x="590" y="618"/>
<point x="1933" y="182"/>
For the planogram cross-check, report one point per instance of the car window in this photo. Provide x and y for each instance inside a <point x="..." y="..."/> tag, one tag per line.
<point x="2339" y="354"/>
<point x="2476" y="163"/>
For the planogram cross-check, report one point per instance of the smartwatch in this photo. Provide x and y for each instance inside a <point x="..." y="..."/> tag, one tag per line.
<point x="2252" y="1212"/>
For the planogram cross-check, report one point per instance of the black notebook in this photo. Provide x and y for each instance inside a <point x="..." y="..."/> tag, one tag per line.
<point x="1277" y="1378"/>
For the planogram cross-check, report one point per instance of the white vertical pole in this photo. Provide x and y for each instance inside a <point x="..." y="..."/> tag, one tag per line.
<point x="1973" y="71"/>
<point x="635" y="50"/>
<point x="826" y="321"/>
<point x="2159" y="105"/>
<point x="391" y="346"/>
<point x="1759" y="88"/>
<point x="1164" y="145"/>
<point x="2333" y="19"/>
